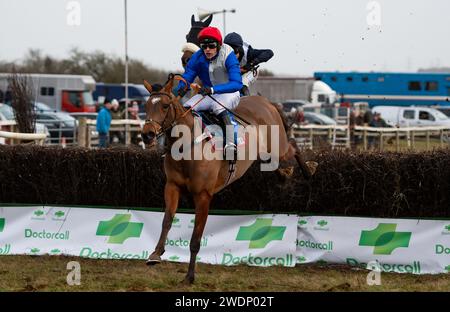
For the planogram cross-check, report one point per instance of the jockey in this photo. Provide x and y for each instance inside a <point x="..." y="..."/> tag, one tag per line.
<point x="248" y="58"/>
<point x="188" y="47"/>
<point x="218" y="69"/>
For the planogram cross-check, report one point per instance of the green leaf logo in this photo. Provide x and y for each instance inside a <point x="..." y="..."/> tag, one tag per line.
<point x="59" y="214"/>
<point x="447" y="227"/>
<point x="260" y="233"/>
<point x="175" y="220"/>
<point x="38" y="213"/>
<point x="119" y="228"/>
<point x="384" y="238"/>
<point x="55" y="251"/>
<point x="35" y="250"/>
<point x="301" y="259"/>
<point x="302" y="222"/>
<point x="2" y="224"/>
<point x="174" y="258"/>
<point x="322" y="223"/>
<point x="447" y="268"/>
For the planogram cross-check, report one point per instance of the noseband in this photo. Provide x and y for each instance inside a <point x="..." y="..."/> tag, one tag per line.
<point x="151" y="122"/>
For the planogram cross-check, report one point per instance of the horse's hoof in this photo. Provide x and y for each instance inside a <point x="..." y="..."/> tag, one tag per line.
<point x="153" y="259"/>
<point x="312" y="166"/>
<point x="286" y="172"/>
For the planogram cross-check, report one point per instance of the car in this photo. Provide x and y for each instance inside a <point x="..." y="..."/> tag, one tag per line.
<point x="60" y="125"/>
<point x="42" y="107"/>
<point x="7" y="113"/>
<point x="444" y="109"/>
<point x="318" y="119"/>
<point x="290" y="104"/>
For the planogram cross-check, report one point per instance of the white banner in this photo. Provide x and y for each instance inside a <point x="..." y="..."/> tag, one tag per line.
<point x="262" y="240"/>
<point x="398" y="245"/>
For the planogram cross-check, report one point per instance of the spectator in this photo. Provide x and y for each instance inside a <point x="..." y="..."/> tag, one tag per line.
<point x="299" y="117"/>
<point x="133" y="113"/>
<point x="367" y="117"/>
<point x="356" y="119"/>
<point x="376" y="122"/>
<point x="104" y="123"/>
<point x="116" y="114"/>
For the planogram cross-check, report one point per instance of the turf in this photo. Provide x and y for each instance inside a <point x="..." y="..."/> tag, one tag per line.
<point x="45" y="273"/>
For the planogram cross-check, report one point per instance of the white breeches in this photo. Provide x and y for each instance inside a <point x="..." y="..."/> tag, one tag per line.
<point x="229" y="100"/>
<point x="248" y="78"/>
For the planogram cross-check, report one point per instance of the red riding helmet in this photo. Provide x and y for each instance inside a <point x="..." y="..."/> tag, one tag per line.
<point x="211" y="33"/>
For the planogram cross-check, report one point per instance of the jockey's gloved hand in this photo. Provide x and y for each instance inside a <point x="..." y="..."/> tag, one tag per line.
<point x="181" y="92"/>
<point x="206" y="91"/>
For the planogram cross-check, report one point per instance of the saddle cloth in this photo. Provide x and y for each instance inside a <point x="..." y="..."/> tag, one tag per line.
<point x="208" y="120"/>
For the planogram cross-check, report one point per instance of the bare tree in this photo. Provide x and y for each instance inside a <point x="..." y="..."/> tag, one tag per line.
<point x="21" y="98"/>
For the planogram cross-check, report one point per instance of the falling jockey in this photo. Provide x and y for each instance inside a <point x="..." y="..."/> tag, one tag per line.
<point x="248" y="57"/>
<point x="218" y="69"/>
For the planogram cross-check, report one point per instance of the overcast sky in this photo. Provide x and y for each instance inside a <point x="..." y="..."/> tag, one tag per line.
<point x="306" y="36"/>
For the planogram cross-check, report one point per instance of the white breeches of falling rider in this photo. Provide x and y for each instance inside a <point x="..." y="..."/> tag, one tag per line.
<point x="248" y="78"/>
<point x="229" y="100"/>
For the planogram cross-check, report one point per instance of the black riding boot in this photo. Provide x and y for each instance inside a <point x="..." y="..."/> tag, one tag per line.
<point x="230" y="149"/>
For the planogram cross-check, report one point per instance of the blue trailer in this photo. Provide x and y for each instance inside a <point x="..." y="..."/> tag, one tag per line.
<point x="394" y="89"/>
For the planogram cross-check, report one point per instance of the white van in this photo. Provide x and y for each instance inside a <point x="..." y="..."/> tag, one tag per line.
<point x="398" y="116"/>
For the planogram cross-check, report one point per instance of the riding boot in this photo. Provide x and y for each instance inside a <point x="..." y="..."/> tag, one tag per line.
<point x="230" y="149"/>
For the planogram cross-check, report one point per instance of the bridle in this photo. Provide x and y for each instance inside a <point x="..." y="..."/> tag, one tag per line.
<point x="151" y="122"/>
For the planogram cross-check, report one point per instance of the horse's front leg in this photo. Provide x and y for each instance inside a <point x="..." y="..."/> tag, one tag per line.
<point x="171" y="197"/>
<point x="202" y="201"/>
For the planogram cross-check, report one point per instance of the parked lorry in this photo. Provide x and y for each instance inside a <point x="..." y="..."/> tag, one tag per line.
<point x="70" y="93"/>
<point x="282" y="89"/>
<point x="136" y="92"/>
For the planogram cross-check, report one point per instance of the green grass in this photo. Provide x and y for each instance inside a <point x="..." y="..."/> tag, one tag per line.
<point x="420" y="145"/>
<point x="45" y="273"/>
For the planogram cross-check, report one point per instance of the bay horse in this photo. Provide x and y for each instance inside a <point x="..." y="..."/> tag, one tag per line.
<point x="204" y="178"/>
<point x="191" y="37"/>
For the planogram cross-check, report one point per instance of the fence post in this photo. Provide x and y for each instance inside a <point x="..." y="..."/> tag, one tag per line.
<point x="397" y="139"/>
<point x="128" y="134"/>
<point x="381" y="141"/>
<point x="81" y="133"/>
<point x="365" y="138"/>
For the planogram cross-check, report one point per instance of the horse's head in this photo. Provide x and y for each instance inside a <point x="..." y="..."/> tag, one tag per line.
<point x="196" y="27"/>
<point x="162" y="110"/>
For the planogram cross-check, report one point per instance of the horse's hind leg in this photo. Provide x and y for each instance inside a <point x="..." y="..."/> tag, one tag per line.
<point x="202" y="201"/>
<point x="171" y="197"/>
<point x="308" y="168"/>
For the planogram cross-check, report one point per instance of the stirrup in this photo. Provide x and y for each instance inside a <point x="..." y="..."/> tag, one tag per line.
<point x="230" y="146"/>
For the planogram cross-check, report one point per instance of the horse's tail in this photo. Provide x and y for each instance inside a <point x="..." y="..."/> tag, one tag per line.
<point x="283" y="116"/>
